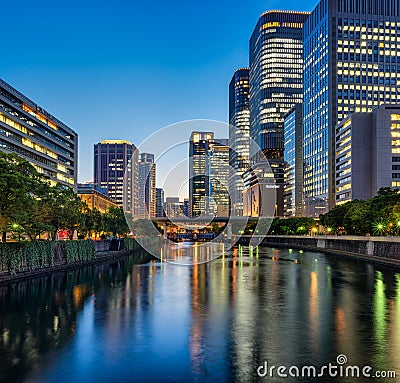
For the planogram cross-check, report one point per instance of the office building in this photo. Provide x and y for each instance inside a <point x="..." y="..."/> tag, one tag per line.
<point x="351" y="64"/>
<point x="293" y="160"/>
<point x="112" y="162"/>
<point x="160" y="202"/>
<point x="218" y="175"/>
<point x="34" y="134"/>
<point x="173" y="207"/>
<point x="199" y="146"/>
<point x="147" y="186"/>
<point x="95" y="198"/>
<point x="367" y="154"/>
<point x="239" y="137"/>
<point x="276" y="67"/>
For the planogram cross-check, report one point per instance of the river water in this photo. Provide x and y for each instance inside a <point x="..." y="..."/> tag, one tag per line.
<point x="214" y="322"/>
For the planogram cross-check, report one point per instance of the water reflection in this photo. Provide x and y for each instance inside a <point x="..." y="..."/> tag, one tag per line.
<point x="209" y="322"/>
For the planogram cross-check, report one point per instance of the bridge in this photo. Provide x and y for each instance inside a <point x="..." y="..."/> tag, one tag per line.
<point x="199" y="223"/>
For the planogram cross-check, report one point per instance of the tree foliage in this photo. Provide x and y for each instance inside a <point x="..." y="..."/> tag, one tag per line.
<point x="30" y="205"/>
<point x="378" y="215"/>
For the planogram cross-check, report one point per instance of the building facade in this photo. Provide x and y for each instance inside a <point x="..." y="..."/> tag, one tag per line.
<point x="276" y="67"/>
<point x="199" y="146"/>
<point x="95" y="198"/>
<point x="239" y="137"/>
<point x="293" y="159"/>
<point x="147" y="186"/>
<point x="173" y="207"/>
<point x="34" y="134"/>
<point x="114" y="161"/>
<point x="367" y="155"/>
<point x="218" y="163"/>
<point x="351" y="64"/>
<point x="160" y="198"/>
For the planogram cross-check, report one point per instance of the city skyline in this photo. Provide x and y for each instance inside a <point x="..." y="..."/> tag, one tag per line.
<point x="78" y="60"/>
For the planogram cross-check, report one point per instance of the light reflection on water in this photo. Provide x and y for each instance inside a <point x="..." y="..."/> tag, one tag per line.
<point x="214" y="322"/>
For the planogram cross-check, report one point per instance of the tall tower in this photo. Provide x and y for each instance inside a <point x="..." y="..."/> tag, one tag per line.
<point x="147" y="186"/>
<point x="239" y="137"/>
<point x="112" y="161"/>
<point x="351" y="64"/>
<point x="276" y="66"/>
<point x="199" y="147"/>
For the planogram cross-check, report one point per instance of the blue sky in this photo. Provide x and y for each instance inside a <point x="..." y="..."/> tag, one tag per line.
<point x="123" y="69"/>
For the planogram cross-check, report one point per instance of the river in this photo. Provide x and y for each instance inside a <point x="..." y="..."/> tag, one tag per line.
<point x="215" y="322"/>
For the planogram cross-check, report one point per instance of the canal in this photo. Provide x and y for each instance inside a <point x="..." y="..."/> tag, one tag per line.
<point x="213" y="322"/>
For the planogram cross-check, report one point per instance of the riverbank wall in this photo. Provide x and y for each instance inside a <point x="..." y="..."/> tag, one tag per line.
<point x="383" y="250"/>
<point x="58" y="260"/>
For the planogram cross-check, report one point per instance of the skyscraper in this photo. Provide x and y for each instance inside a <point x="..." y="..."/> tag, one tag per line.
<point x="147" y="186"/>
<point x="239" y="137"/>
<point x="218" y="165"/>
<point x="276" y="67"/>
<point x="293" y="157"/>
<point x="112" y="160"/>
<point x="34" y="134"/>
<point x="160" y="202"/>
<point x="351" y="64"/>
<point x="199" y="147"/>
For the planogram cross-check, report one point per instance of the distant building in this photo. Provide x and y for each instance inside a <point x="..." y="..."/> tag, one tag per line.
<point x="293" y="157"/>
<point x="218" y="165"/>
<point x="276" y="74"/>
<point x="199" y="147"/>
<point x="173" y="207"/>
<point x="239" y="137"/>
<point x="95" y="198"/>
<point x="160" y="202"/>
<point x="186" y="207"/>
<point x="34" y="134"/>
<point x="351" y="64"/>
<point x="367" y="153"/>
<point x="112" y="162"/>
<point x="147" y="186"/>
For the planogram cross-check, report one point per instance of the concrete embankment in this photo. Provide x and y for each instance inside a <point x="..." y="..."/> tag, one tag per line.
<point x="383" y="250"/>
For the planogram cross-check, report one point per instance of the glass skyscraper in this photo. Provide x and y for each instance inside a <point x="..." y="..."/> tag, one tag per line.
<point x="293" y="156"/>
<point x="218" y="162"/>
<point x="276" y="67"/>
<point x="147" y="186"/>
<point x="239" y="137"/>
<point x="112" y="161"/>
<point x="199" y="146"/>
<point x="351" y="64"/>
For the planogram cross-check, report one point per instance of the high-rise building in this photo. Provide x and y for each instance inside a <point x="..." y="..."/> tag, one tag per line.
<point x="293" y="158"/>
<point x="199" y="146"/>
<point x="34" y="134"/>
<point x="112" y="162"/>
<point x="367" y="153"/>
<point x="160" y="202"/>
<point x="218" y="165"/>
<point x="276" y="67"/>
<point x="147" y="186"/>
<point x="351" y="64"/>
<point x="239" y="137"/>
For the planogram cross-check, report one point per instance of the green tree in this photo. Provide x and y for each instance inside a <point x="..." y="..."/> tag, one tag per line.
<point x="20" y="185"/>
